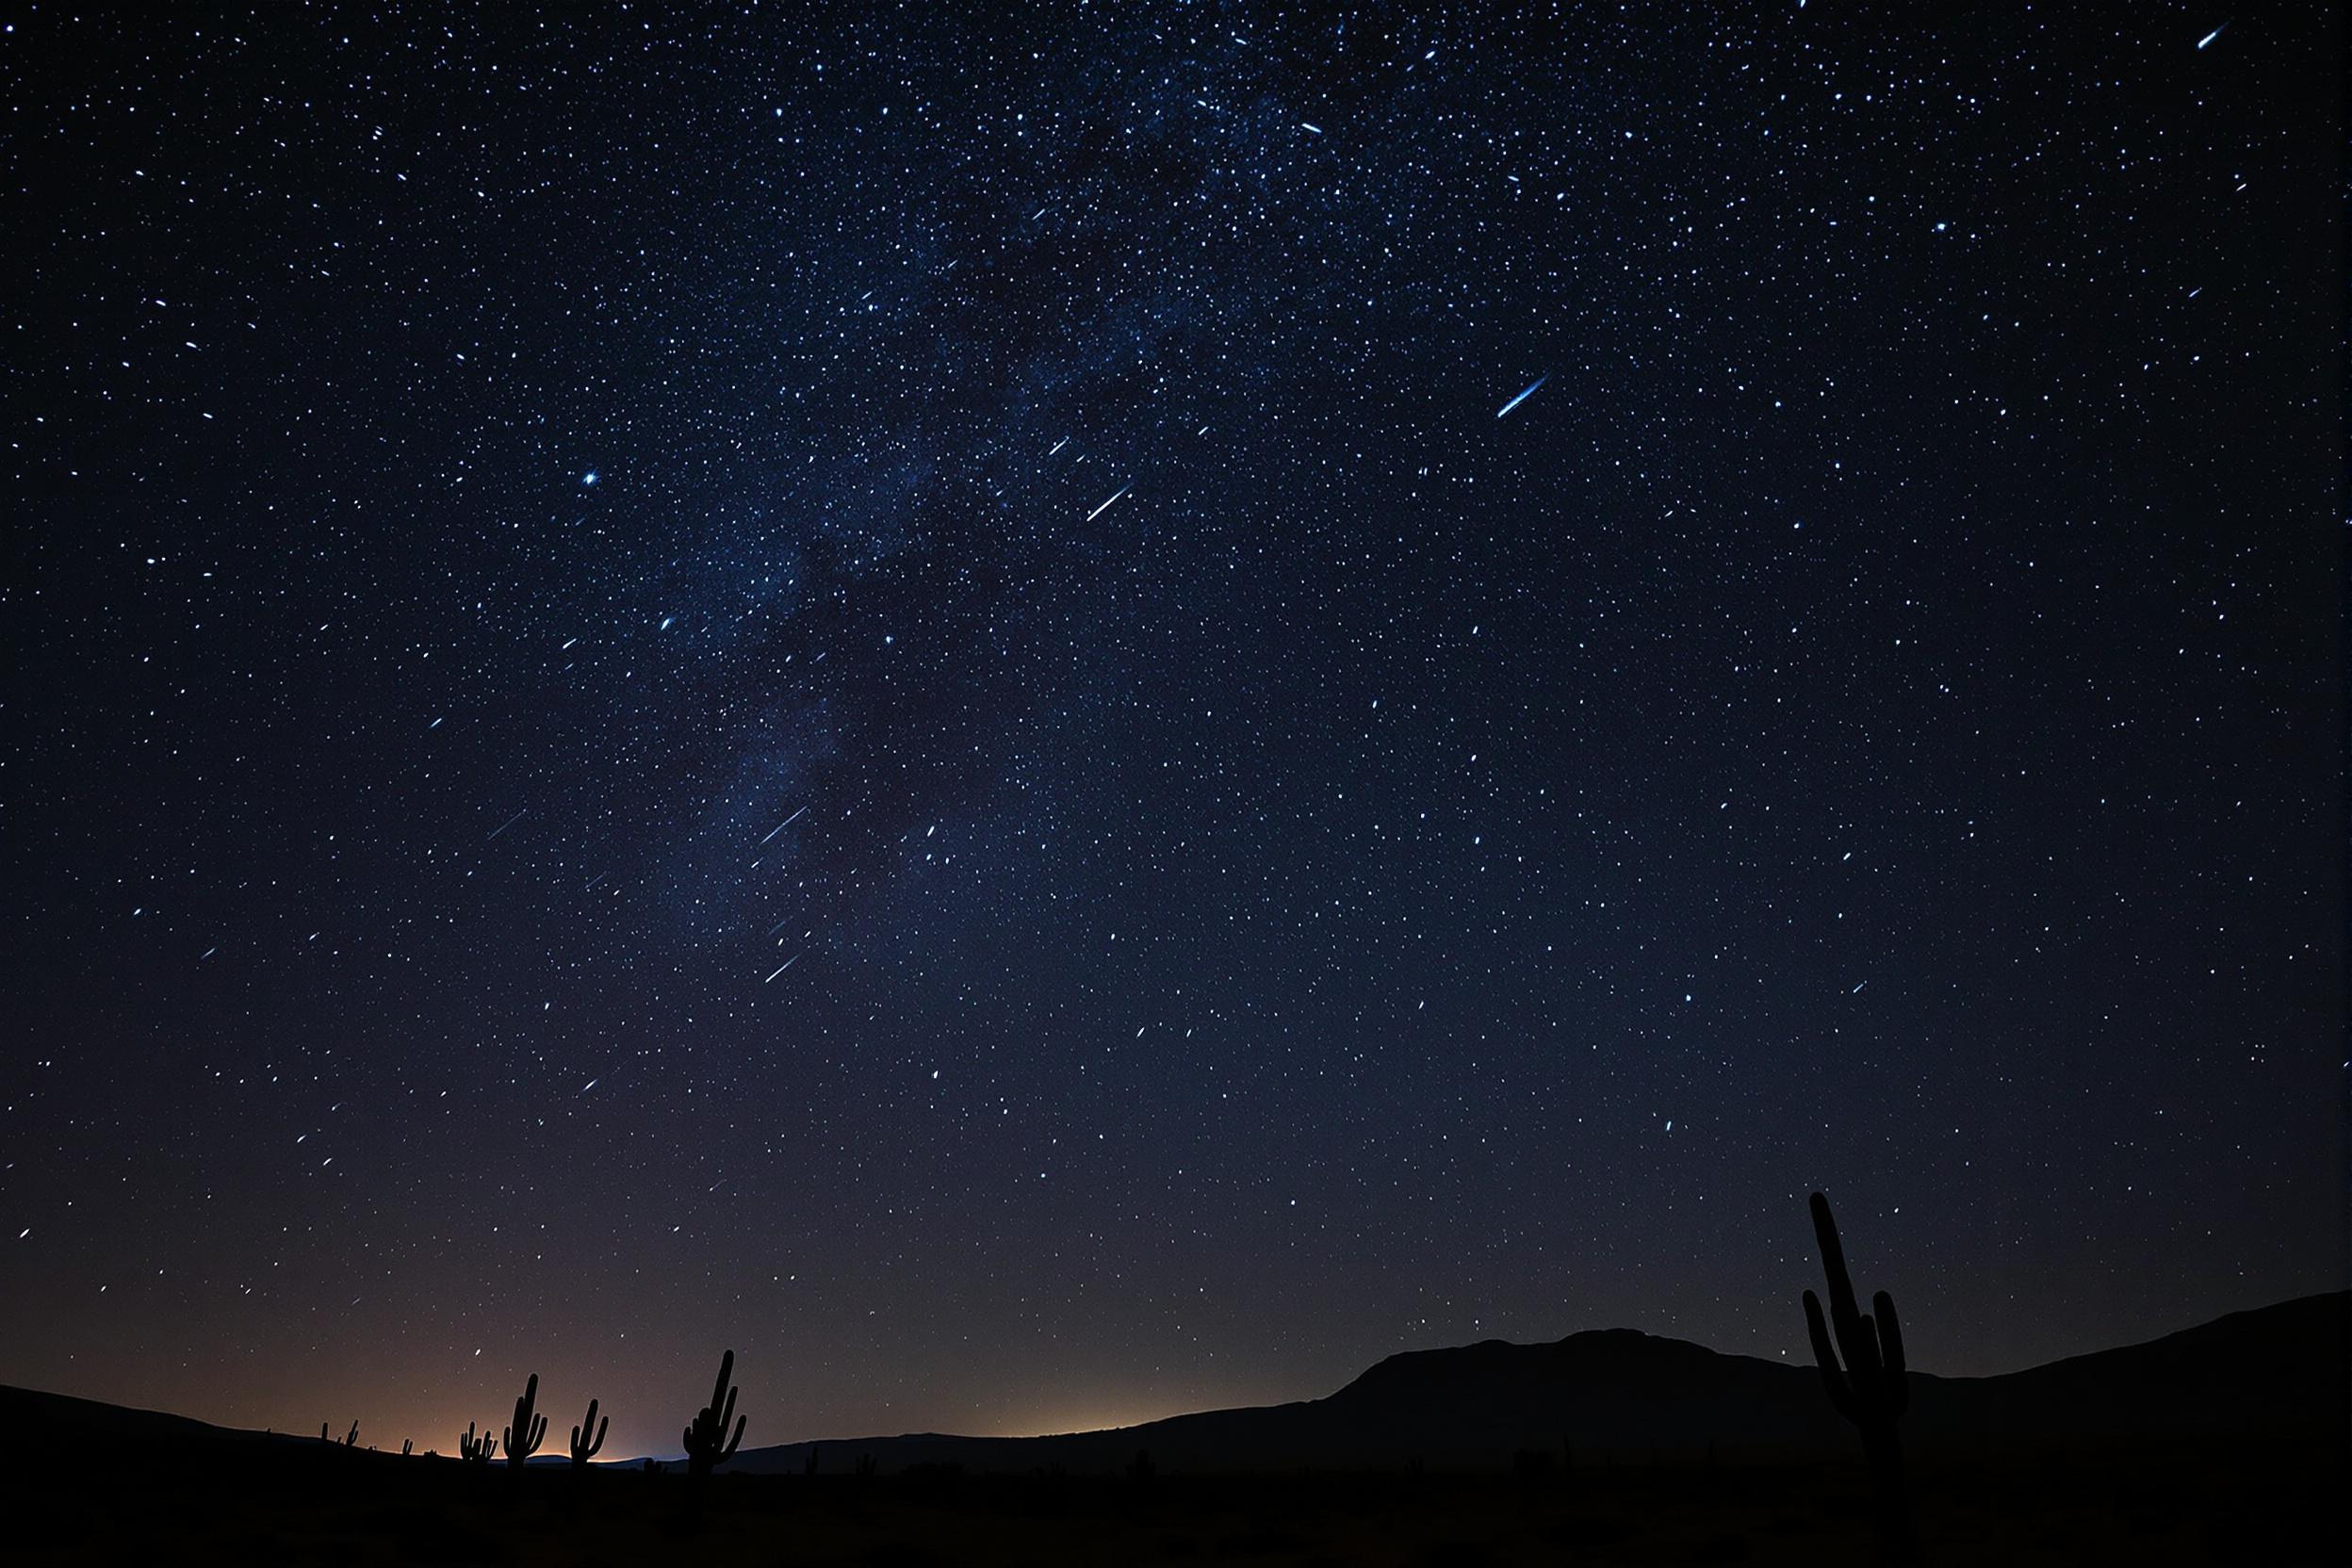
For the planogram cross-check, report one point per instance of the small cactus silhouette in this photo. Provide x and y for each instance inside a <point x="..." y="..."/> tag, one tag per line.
<point x="808" y="1463"/>
<point x="475" y="1451"/>
<point x="587" y="1438"/>
<point x="408" y="1446"/>
<point x="707" y="1444"/>
<point x="1870" y="1390"/>
<point x="529" y="1431"/>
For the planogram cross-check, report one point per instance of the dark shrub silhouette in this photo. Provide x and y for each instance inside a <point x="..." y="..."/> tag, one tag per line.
<point x="707" y="1444"/>
<point x="593" y="1435"/>
<point x="1870" y="1391"/>
<point x="529" y="1431"/>
<point x="808" y="1463"/>
<point x="473" y="1451"/>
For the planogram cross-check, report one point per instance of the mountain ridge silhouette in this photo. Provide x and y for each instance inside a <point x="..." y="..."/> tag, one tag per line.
<point x="2281" y="1370"/>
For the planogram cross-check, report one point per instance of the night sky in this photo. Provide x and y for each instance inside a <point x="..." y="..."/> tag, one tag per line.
<point x="1056" y="716"/>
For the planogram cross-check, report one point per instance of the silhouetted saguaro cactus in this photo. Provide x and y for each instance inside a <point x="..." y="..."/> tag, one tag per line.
<point x="1870" y="1390"/>
<point x="408" y="1446"/>
<point x="583" y="1452"/>
<point x="707" y="1444"/>
<point x="529" y="1431"/>
<point x="473" y="1451"/>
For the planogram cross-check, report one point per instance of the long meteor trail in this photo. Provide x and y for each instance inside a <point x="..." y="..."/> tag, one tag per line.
<point x="1106" y="506"/>
<point x="1521" y="397"/>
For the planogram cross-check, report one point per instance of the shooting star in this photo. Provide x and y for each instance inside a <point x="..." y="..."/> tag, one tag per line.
<point x="785" y="823"/>
<point x="508" y="822"/>
<point x="782" y="966"/>
<point x="2214" y="34"/>
<point x="1059" y="444"/>
<point x="1521" y="397"/>
<point x="1100" y="510"/>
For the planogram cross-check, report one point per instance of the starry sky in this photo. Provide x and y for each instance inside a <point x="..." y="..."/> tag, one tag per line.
<point x="1056" y="715"/>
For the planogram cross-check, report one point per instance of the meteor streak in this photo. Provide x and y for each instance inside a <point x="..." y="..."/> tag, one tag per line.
<point x="1521" y="397"/>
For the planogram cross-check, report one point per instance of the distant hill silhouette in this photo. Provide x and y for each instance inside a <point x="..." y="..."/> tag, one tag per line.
<point x="2281" y="1370"/>
<point x="2277" y="1371"/>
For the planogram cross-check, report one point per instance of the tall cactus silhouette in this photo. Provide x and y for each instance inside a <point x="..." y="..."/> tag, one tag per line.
<point x="473" y="1451"/>
<point x="1870" y="1390"/>
<point x="587" y="1438"/>
<point x="529" y="1431"/>
<point x="707" y="1444"/>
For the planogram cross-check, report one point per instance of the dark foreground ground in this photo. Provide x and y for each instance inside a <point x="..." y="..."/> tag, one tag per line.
<point x="298" y="1504"/>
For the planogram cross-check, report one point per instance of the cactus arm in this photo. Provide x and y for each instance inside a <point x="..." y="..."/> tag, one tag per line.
<point x="1857" y="1336"/>
<point x="1825" y="1356"/>
<point x="728" y="1452"/>
<point x="1890" y="1353"/>
<point x="718" y="1390"/>
<point x="1842" y="1304"/>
